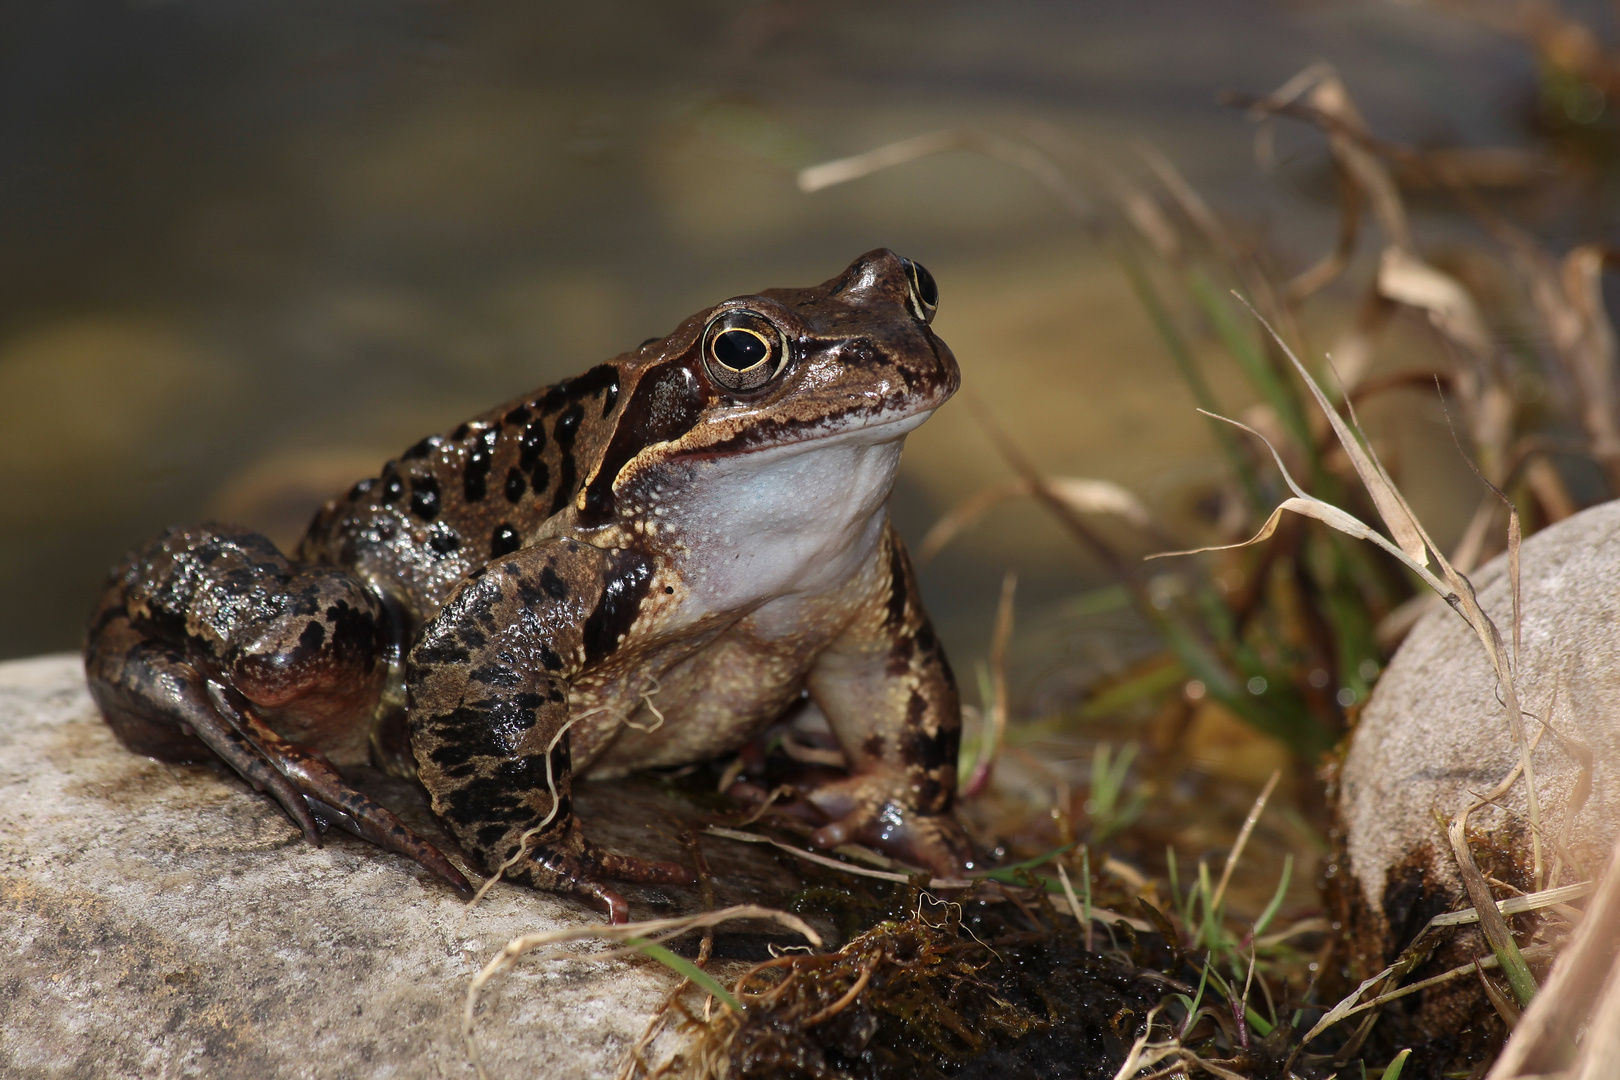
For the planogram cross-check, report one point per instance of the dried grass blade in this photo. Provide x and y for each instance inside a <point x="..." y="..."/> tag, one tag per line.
<point x="1243" y="838"/>
<point x="1192" y="204"/>
<point x="1025" y="157"/>
<point x="1504" y="1008"/>
<point x="1537" y="953"/>
<point x="1325" y="96"/>
<point x="1398" y="517"/>
<point x="1405" y="278"/>
<point x="831" y="863"/>
<point x="1345" y="1007"/>
<point x="1518" y="905"/>
<point x="961" y="516"/>
<point x="1326" y="513"/>
<point x="1591" y="354"/>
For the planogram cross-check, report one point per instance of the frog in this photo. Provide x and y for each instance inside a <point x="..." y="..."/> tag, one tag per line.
<point x="641" y="567"/>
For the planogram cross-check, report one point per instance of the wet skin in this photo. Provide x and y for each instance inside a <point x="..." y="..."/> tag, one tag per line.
<point x="642" y="566"/>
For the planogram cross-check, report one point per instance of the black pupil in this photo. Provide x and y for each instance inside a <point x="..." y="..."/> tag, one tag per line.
<point x="927" y="291"/>
<point x="739" y="350"/>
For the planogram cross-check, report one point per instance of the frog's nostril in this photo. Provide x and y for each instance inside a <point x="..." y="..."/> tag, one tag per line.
<point x="861" y="352"/>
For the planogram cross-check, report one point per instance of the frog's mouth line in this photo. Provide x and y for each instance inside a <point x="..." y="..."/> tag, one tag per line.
<point x="794" y="436"/>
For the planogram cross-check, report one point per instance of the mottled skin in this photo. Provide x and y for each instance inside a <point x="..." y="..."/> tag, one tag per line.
<point x="642" y="566"/>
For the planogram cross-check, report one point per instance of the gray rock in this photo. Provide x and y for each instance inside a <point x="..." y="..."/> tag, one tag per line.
<point x="1434" y="733"/>
<point x="166" y="921"/>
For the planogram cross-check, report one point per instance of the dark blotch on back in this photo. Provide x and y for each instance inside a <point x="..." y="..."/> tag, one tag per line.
<point x="474" y="481"/>
<point x="926" y="751"/>
<point x="552" y="584"/>
<point x="313" y="637"/>
<point x="532" y="443"/>
<point x="425" y="497"/>
<point x="443" y="539"/>
<point x="568" y="426"/>
<point x="393" y="485"/>
<point x="515" y="484"/>
<point x="551" y="400"/>
<point x="504" y="541"/>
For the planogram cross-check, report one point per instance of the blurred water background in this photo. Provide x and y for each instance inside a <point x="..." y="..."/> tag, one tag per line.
<point x="252" y="248"/>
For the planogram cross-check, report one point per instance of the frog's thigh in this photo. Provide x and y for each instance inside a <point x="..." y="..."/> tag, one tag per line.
<point x="488" y="704"/>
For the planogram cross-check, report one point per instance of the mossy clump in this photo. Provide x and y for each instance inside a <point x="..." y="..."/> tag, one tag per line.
<point x="953" y="990"/>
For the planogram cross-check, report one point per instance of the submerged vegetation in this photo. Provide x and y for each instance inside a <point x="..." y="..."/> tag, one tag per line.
<point x="1116" y="944"/>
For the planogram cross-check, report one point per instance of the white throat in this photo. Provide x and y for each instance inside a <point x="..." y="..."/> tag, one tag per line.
<point x="796" y="519"/>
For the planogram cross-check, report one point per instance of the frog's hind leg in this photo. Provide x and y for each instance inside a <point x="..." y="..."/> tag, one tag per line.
<point x="206" y="632"/>
<point x="157" y="704"/>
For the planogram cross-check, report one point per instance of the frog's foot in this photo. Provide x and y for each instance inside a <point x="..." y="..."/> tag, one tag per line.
<point x="576" y="866"/>
<point x="322" y="789"/>
<point x="866" y="810"/>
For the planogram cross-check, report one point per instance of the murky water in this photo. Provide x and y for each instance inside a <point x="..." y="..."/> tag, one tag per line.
<point x="250" y="250"/>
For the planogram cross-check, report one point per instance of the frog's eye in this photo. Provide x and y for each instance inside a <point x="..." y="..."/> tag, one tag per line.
<point x="743" y="350"/>
<point x="923" y="299"/>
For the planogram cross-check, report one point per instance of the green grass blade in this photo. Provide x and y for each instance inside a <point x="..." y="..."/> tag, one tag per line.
<point x="1276" y="898"/>
<point x="1131" y="691"/>
<point x="1393" y="1070"/>
<point x="683" y="967"/>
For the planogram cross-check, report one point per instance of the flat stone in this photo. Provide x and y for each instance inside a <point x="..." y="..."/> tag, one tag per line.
<point x="1434" y="734"/>
<point x="166" y="920"/>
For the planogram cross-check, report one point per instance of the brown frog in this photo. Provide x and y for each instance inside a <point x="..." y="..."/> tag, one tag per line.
<point x="642" y="566"/>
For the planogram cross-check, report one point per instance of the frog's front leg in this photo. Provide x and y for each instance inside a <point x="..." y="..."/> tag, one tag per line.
<point x="489" y="717"/>
<point x="888" y="692"/>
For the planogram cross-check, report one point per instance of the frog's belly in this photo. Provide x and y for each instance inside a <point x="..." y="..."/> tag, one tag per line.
<point x="711" y="703"/>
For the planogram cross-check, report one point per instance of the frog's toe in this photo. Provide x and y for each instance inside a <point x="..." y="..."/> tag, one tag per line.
<point x="935" y="841"/>
<point x="577" y="866"/>
<point x="642" y="871"/>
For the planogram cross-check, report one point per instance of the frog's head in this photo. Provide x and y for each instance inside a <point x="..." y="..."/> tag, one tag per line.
<point x="852" y="361"/>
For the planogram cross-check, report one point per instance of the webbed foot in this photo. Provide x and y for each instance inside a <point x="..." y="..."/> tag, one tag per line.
<point x="865" y="810"/>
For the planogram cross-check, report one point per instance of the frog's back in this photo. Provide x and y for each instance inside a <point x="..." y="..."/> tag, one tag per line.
<point x="453" y="502"/>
